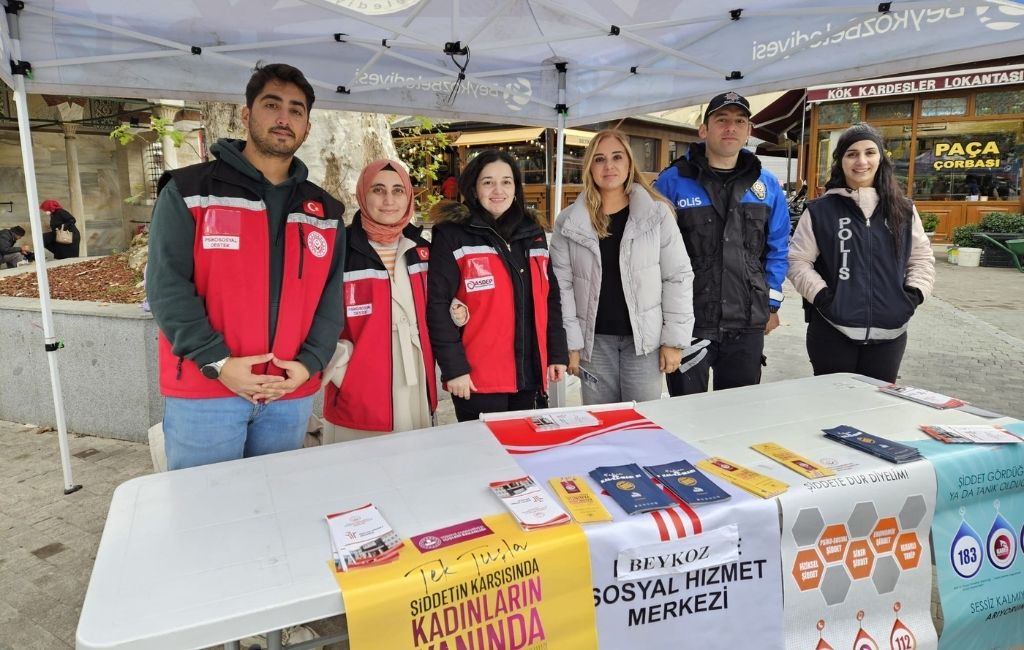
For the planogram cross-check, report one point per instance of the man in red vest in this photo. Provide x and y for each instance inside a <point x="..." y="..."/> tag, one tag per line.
<point x="244" y="282"/>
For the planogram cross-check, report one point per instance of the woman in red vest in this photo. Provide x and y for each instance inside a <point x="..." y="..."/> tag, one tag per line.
<point x="490" y="254"/>
<point x="382" y="378"/>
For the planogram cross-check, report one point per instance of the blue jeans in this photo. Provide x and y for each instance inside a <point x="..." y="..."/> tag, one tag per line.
<point x="204" y="431"/>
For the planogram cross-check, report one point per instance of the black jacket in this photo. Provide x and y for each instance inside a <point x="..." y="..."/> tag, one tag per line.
<point x="62" y="219"/>
<point x="736" y="234"/>
<point x="458" y="229"/>
<point x="865" y="297"/>
<point x="8" y="243"/>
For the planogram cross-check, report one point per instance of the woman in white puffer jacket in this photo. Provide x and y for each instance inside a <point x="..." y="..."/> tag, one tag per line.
<point x="625" y="279"/>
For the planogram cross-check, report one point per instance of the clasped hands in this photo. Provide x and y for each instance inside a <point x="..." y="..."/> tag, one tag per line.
<point x="238" y="377"/>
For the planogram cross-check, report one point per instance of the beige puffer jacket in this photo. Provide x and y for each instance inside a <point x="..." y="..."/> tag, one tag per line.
<point x="657" y="279"/>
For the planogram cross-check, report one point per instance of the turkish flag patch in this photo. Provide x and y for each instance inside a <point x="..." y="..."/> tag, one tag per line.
<point x="314" y="208"/>
<point x="423" y="252"/>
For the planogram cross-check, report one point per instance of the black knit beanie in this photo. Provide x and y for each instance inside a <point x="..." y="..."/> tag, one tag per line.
<point x="856" y="133"/>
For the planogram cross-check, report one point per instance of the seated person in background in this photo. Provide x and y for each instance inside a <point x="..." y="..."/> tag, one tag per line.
<point x="11" y="254"/>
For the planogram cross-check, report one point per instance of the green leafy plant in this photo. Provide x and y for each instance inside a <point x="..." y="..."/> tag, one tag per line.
<point x="1002" y="222"/>
<point x="964" y="235"/>
<point x="158" y="125"/>
<point x="421" y="147"/>
<point x="930" y="221"/>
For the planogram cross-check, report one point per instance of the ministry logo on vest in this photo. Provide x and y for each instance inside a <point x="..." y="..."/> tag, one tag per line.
<point x="484" y="283"/>
<point x="316" y="243"/>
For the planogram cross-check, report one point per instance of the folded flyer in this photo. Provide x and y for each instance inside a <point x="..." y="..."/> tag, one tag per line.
<point x="361" y="537"/>
<point x="894" y="452"/>
<point x="529" y="503"/>
<point x="792" y="460"/>
<point x="562" y="420"/>
<point x="687" y="482"/>
<point x="746" y="478"/>
<point x="970" y="433"/>
<point x="583" y="504"/>
<point x="922" y="396"/>
<point x="631" y="488"/>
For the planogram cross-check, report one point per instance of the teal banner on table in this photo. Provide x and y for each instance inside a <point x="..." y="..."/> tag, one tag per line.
<point x="977" y="534"/>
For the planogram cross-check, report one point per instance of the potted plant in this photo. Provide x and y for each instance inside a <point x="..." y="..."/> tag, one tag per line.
<point x="930" y="221"/>
<point x="999" y="226"/>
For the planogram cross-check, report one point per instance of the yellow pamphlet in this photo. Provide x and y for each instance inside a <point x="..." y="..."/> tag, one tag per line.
<point x="757" y="484"/>
<point x="579" y="499"/>
<point x="793" y="460"/>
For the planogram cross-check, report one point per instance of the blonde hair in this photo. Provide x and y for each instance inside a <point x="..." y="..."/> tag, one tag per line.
<point x="592" y="195"/>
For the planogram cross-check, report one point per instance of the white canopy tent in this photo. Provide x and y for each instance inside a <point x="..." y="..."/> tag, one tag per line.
<point x="532" y="62"/>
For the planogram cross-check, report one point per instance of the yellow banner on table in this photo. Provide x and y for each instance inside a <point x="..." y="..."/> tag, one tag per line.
<point x="507" y="590"/>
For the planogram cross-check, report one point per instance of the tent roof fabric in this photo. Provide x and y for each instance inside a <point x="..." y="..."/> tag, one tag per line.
<point x="621" y="57"/>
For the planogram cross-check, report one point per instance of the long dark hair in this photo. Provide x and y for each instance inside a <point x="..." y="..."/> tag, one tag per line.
<point x="467" y="184"/>
<point x="896" y="207"/>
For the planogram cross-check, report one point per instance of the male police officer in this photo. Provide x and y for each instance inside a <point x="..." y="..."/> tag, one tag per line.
<point x="735" y="224"/>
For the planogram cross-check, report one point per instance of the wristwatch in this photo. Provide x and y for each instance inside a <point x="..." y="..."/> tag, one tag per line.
<point x="212" y="369"/>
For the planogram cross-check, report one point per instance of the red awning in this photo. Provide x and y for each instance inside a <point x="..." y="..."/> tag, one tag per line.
<point x="780" y="117"/>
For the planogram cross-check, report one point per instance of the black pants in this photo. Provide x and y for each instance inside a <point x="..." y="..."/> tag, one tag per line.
<point x="736" y="360"/>
<point x="470" y="409"/>
<point x="831" y="351"/>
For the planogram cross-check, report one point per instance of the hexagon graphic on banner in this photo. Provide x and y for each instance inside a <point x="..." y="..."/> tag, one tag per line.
<point x="883" y="536"/>
<point x="807" y="569"/>
<point x="886" y="574"/>
<point x="862" y="519"/>
<point x="833" y="542"/>
<point x="913" y="512"/>
<point x="859" y="559"/>
<point x="807" y="526"/>
<point x="835" y="585"/>
<point x="908" y="550"/>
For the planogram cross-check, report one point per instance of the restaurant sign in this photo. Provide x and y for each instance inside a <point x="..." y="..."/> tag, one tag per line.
<point x="918" y="84"/>
<point x="967" y="155"/>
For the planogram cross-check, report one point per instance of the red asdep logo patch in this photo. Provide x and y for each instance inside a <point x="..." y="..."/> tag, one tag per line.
<point x="314" y="208"/>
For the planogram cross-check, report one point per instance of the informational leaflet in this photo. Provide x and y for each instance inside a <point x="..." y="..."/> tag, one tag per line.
<point x="856" y="560"/>
<point x="977" y="531"/>
<point x="500" y="587"/>
<point x="679" y="597"/>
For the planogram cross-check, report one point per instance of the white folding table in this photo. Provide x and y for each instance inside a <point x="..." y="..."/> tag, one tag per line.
<point x="208" y="555"/>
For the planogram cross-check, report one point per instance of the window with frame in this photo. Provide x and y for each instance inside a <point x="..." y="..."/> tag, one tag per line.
<point x="153" y="167"/>
<point x="900" y="110"/>
<point x="645" y="153"/>
<point x="677" y="149"/>
<point x="999" y="102"/>
<point x="968" y="161"/>
<point x="839" y="113"/>
<point x="943" y="106"/>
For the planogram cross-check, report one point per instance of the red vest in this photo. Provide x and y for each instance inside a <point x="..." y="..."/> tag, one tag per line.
<point x="489" y="336"/>
<point x="365" y="400"/>
<point x="232" y="269"/>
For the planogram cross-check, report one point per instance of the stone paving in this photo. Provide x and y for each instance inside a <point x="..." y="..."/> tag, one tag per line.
<point x="967" y="341"/>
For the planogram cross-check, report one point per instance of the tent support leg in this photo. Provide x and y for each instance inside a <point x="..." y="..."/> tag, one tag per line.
<point x="50" y="341"/>
<point x="557" y="389"/>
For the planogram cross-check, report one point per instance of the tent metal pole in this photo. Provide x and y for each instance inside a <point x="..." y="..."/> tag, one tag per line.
<point x="558" y="389"/>
<point x="51" y="343"/>
<point x="801" y="157"/>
